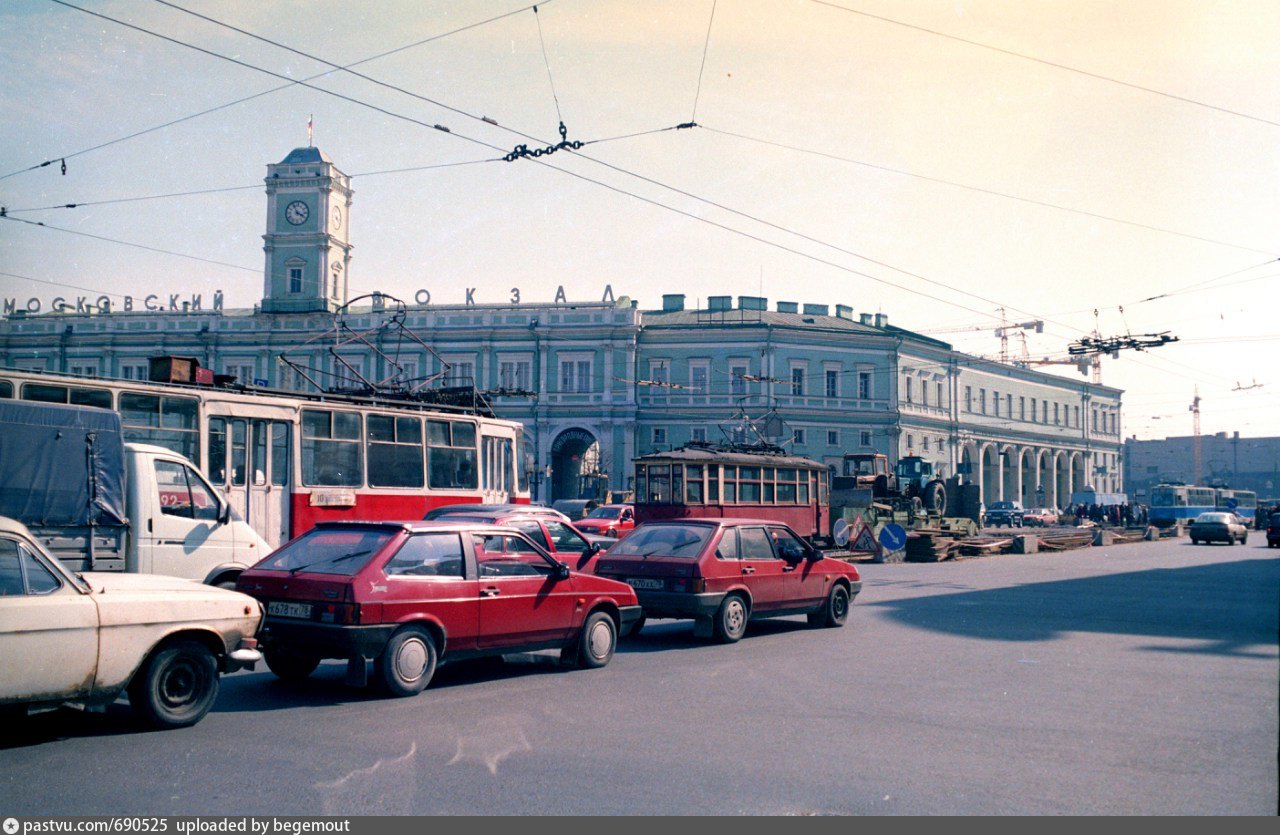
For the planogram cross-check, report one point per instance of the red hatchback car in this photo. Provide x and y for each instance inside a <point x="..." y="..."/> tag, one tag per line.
<point x="725" y="572"/>
<point x="608" y="520"/>
<point x="407" y="594"/>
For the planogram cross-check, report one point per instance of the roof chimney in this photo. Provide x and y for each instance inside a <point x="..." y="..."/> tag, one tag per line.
<point x="865" y="318"/>
<point x="719" y="304"/>
<point x="816" y="310"/>
<point x="882" y="319"/>
<point x="843" y="311"/>
<point x="788" y="307"/>
<point x="752" y="303"/>
<point x="672" y="302"/>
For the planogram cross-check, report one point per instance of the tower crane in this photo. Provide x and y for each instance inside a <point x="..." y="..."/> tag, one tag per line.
<point x="1194" y="408"/>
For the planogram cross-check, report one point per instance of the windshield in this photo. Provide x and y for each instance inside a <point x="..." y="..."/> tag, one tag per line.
<point x="1221" y="518"/>
<point x="605" y="513"/>
<point x="664" y="541"/>
<point x="329" y="551"/>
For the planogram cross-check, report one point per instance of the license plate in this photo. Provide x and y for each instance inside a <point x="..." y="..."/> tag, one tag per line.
<point x="646" y="583"/>
<point x="289" y="610"/>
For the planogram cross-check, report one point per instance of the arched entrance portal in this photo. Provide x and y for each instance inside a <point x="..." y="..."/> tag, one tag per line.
<point x="577" y="470"/>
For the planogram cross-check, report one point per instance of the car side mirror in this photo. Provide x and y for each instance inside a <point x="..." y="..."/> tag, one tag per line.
<point x="224" y="512"/>
<point x="562" y="571"/>
<point x="814" y="555"/>
<point x="592" y="549"/>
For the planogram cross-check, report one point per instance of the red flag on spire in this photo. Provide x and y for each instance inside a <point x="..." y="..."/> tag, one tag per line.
<point x="310" y="119"/>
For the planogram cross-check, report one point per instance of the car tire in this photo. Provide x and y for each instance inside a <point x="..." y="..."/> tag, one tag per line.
<point x="730" y="622"/>
<point x="834" y="612"/>
<point x="597" y="641"/>
<point x="407" y="663"/>
<point x="176" y="686"/>
<point x="288" y="664"/>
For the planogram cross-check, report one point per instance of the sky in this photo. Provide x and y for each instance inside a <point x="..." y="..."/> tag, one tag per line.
<point x="1107" y="169"/>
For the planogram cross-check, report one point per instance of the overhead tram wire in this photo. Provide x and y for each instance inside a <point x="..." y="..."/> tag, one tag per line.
<point x="706" y="45"/>
<point x="574" y="174"/>
<point x="981" y="190"/>
<point x="292" y="82"/>
<point x="1053" y="64"/>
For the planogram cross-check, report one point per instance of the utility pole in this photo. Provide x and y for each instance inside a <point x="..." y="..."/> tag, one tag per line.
<point x="1196" y="467"/>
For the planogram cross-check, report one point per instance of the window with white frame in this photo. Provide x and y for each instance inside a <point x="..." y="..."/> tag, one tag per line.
<point x="1022" y="408"/>
<point x="864" y="437"/>
<point x="982" y="400"/>
<point x="940" y="402"/>
<point x="911" y="442"/>
<point x="909" y="382"/>
<point x="864" y="385"/>
<point x="968" y="398"/>
<point x="995" y="401"/>
<point x="515" y="372"/>
<point x="242" y="371"/>
<point x="407" y="374"/>
<point x="698" y="434"/>
<point x="924" y="392"/>
<point x="293" y="268"/>
<point x="832" y="380"/>
<point x="797" y="437"/>
<point x="924" y="442"/>
<point x="1008" y="405"/>
<point x="135" y="370"/>
<point x="659" y="434"/>
<point x="461" y="371"/>
<point x="799" y="371"/>
<point x="833" y="437"/>
<point x="575" y="373"/>
<point x="84" y="368"/>
<point x="699" y="373"/>
<point x="348" y="377"/>
<point x="737" y="371"/>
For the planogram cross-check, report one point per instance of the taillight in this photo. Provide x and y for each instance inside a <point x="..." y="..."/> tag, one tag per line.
<point x="344" y="613"/>
<point x="689" y="585"/>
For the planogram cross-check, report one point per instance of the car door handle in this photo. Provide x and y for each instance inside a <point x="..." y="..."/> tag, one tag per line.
<point x="489" y="592"/>
<point x="748" y="569"/>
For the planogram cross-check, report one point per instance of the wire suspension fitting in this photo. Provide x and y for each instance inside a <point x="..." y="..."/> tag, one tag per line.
<point x="564" y="143"/>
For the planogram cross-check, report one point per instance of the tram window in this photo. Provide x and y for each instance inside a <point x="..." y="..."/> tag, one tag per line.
<point x="659" y="485"/>
<point x="6" y="390"/>
<point x="67" y="394"/>
<point x="239" y="453"/>
<point x="218" y="450"/>
<point x="451" y="462"/>
<point x="280" y="454"/>
<point x="169" y="422"/>
<point x="693" y="484"/>
<point x="749" y="485"/>
<point x="786" y="486"/>
<point x="395" y="451"/>
<point x="331" y="449"/>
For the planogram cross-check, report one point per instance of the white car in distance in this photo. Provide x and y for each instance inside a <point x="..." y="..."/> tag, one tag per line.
<point x="90" y="638"/>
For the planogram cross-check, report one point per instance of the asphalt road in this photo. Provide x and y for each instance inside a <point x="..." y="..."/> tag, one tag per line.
<point x="1137" y="679"/>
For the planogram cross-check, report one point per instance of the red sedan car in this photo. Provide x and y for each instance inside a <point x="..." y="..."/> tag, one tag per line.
<point x="409" y="594"/>
<point x="609" y="520"/>
<point x="726" y="572"/>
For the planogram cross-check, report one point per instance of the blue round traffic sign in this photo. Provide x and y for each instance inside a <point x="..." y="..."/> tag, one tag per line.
<point x="840" y="532"/>
<point x="1231" y="503"/>
<point x="893" y="537"/>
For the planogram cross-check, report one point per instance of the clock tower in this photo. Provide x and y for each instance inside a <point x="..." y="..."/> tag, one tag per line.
<point x="307" y="246"/>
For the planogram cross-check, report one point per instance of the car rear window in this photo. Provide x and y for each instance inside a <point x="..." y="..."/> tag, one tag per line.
<point x="341" y="551"/>
<point x="1220" y="518"/>
<point x="664" y="541"/>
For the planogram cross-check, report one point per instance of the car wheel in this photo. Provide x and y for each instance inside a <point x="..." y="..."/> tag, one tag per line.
<point x="288" y="664"/>
<point x="597" y="641"/>
<point x="176" y="686"/>
<point x="835" y="611"/>
<point x="407" y="662"/>
<point x="730" y="622"/>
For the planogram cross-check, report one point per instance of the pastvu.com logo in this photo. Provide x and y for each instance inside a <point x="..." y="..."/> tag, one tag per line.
<point x="10" y="826"/>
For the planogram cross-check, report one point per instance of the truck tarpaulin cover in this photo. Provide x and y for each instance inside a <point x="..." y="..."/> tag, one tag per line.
<point x="61" y="465"/>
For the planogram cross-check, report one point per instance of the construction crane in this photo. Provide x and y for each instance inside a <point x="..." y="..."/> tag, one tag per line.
<point x="1006" y="326"/>
<point x="1196" y="465"/>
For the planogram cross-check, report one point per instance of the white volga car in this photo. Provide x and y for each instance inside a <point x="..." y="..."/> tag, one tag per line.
<point x="89" y="638"/>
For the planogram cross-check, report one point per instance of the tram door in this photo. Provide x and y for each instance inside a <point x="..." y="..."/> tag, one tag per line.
<point x="249" y="459"/>
<point x="497" y="471"/>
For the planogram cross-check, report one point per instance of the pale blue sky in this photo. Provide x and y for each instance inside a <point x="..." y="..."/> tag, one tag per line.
<point x="933" y="161"/>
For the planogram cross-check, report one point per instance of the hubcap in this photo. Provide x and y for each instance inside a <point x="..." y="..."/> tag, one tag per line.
<point x="735" y="616"/>
<point x="411" y="660"/>
<point x="178" y="686"/>
<point x="840" y="605"/>
<point x="600" y="640"/>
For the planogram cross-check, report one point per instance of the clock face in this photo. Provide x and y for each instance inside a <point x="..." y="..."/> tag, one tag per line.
<point x="337" y="216"/>
<point x="297" y="212"/>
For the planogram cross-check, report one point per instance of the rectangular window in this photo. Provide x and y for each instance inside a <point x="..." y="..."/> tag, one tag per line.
<point x="995" y="402"/>
<point x="66" y="394"/>
<point x="332" y="455"/>
<point x="660" y="374"/>
<point x="84" y="369"/>
<point x="698" y="434"/>
<point x="699" y="372"/>
<point x="941" y="403"/>
<point x="737" y="371"/>
<point x="909" y="388"/>
<point x="864" y="385"/>
<point x="515" y="374"/>
<point x="135" y="370"/>
<point x="833" y="437"/>
<point x="982" y="400"/>
<point x="1095" y="420"/>
<point x="169" y="422"/>
<point x="1055" y="413"/>
<point x="924" y="393"/>
<point x="1008" y="405"/>
<point x="395" y="451"/>
<point x="925" y="442"/>
<point x="659" y="434"/>
<point x="243" y="372"/>
<point x="575" y="375"/>
<point x="833" y="383"/>
<point x="1077" y="415"/>
<point x="1033" y="410"/>
<point x="460" y="373"/>
<point x="451" y="455"/>
<point x="864" y="437"/>
<point x="295" y="279"/>
<point x="1044" y="411"/>
<point x="798" y="436"/>
<point x="797" y="380"/>
<point x="968" y="398"/>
